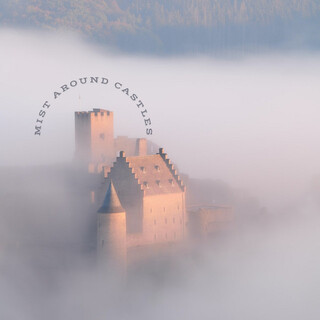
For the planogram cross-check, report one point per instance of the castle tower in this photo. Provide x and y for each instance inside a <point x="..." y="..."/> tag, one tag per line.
<point x="94" y="137"/>
<point x="112" y="231"/>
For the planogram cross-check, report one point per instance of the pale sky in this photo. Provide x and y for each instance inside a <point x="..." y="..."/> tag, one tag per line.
<point x="252" y="122"/>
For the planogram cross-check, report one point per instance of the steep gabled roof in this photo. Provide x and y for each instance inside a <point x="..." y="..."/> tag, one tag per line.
<point x="111" y="203"/>
<point x="154" y="173"/>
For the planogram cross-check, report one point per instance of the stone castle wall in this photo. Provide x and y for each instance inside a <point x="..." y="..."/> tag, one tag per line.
<point x="94" y="138"/>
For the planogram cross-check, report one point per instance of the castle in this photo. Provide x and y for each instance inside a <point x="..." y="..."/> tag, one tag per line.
<point x="95" y="144"/>
<point x="142" y="199"/>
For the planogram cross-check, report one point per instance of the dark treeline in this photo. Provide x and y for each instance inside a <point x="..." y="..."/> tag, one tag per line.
<point x="175" y="26"/>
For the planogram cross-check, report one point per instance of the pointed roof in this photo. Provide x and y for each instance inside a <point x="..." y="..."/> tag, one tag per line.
<point x="111" y="203"/>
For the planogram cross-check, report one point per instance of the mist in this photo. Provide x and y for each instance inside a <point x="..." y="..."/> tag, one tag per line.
<point x="249" y="122"/>
<point x="264" y="267"/>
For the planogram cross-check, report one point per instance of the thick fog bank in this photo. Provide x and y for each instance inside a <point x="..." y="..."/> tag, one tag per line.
<point x="267" y="269"/>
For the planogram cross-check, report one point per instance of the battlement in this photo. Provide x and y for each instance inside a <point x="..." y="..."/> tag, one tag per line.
<point x="82" y="114"/>
<point x="95" y="112"/>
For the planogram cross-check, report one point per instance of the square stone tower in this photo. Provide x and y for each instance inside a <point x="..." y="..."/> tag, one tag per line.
<point x="94" y="139"/>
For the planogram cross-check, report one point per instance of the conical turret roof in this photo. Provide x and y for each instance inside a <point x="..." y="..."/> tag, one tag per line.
<point x="111" y="203"/>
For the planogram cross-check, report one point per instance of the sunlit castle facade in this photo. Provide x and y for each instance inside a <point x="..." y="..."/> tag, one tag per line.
<point x="144" y="205"/>
<point x="152" y="195"/>
<point x="142" y="201"/>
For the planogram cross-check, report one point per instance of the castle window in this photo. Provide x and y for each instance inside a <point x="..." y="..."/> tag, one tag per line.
<point x="157" y="168"/>
<point x="164" y="209"/>
<point x="158" y="183"/>
<point x="146" y="185"/>
<point x="155" y="237"/>
<point x="171" y="182"/>
<point x="165" y="220"/>
<point x="101" y="136"/>
<point x="150" y="209"/>
<point x="143" y="169"/>
<point x="155" y="221"/>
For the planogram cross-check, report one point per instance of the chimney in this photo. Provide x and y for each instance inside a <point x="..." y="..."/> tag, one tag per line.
<point x="141" y="147"/>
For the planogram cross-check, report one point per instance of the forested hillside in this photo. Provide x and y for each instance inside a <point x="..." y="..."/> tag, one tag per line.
<point x="175" y="25"/>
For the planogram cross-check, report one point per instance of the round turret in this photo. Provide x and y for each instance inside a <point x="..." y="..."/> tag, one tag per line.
<point x="112" y="231"/>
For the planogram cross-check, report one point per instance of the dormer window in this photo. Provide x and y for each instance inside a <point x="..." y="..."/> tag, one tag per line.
<point x="143" y="169"/>
<point x="157" y="168"/>
<point x="146" y="185"/>
<point x="158" y="183"/>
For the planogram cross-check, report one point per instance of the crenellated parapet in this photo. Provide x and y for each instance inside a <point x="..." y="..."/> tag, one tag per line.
<point x="95" y="112"/>
<point x="82" y="114"/>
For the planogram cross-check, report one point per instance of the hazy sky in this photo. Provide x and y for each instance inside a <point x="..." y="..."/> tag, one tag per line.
<point x="252" y="122"/>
